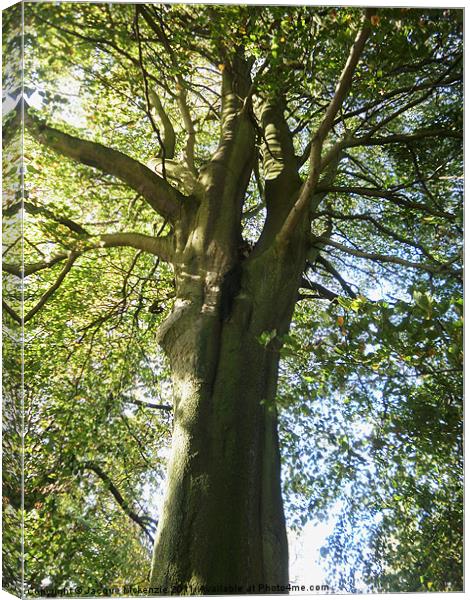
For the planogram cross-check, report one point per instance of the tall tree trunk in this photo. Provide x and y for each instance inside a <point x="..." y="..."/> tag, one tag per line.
<point x="223" y="523"/>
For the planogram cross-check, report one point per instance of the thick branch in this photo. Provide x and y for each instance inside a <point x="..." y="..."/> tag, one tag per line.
<point x="342" y="90"/>
<point x="161" y="247"/>
<point x="181" y="87"/>
<point x="282" y="181"/>
<point x="188" y="125"/>
<point x="147" y="93"/>
<point x="278" y="152"/>
<point x="160" y="195"/>
<point x="345" y="80"/>
<point x="169" y="138"/>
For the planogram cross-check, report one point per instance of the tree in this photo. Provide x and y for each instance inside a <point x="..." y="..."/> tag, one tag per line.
<point x="215" y="193"/>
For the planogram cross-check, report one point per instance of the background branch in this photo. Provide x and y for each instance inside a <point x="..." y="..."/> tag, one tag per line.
<point x="106" y="479"/>
<point x="431" y="268"/>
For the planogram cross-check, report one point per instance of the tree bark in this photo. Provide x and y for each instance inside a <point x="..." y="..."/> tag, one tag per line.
<point x="222" y="527"/>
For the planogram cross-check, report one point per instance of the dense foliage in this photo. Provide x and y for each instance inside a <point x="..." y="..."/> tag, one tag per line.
<point x="369" y="395"/>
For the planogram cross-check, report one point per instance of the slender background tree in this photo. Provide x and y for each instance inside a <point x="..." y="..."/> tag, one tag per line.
<point x="242" y="230"/>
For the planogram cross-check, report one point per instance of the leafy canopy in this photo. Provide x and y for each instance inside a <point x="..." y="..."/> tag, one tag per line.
<point x="370" y="383"/>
